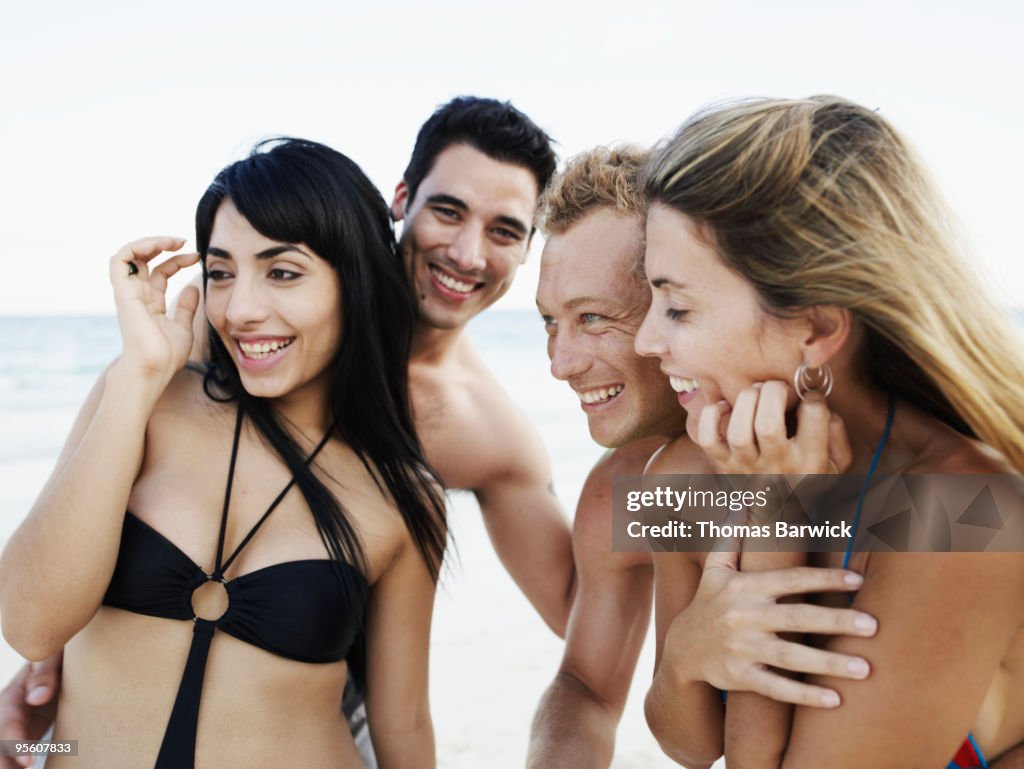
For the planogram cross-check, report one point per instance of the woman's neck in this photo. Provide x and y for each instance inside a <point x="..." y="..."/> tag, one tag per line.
<point x="864" y="409"/>
<point x="305" y="411"/>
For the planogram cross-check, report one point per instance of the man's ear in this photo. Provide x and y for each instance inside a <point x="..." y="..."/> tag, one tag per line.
<point x="399" y="202"/>
<point x="829" y="331"/>
<point x="529" y="245"/>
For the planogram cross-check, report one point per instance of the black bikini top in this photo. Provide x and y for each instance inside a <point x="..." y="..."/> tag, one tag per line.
<point x="308" y="610"/>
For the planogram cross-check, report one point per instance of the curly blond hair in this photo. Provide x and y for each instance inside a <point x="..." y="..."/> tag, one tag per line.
<point x="598" y="178"/>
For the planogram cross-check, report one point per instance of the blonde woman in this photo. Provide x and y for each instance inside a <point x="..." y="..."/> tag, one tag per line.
<point x="795" y="248"/>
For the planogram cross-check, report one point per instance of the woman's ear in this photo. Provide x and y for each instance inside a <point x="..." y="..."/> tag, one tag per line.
<point x="830" y="328"/>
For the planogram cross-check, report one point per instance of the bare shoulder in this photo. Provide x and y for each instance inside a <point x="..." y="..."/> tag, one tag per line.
<point x="594" y="521"/>
<point x="371" y="508"/>
<point x="939" y="449"/>
<point x="628" y="460"/>
<point x="187" y="411"/>
<point x="472" y="431"/>
<point x="511" y="434"/>
<point x="927" y="604"/>
<point x="679" y="456"/>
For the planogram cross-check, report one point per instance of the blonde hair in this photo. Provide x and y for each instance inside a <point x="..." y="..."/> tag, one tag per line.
<point x="820" y="202"/>
<point x="598" y="178"/>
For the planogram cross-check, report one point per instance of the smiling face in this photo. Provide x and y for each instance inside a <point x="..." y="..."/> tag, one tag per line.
<point x="592" y="303"/>
<point x="276" y="307"/>
<point x="465" y="233"/>
<point x="705" y="323"/>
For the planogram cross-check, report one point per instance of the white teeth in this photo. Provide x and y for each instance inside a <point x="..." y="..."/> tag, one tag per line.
<point x="261" y="349"/>
<point x="449" y="282"/>
<point x="681" y="385"/>
<point x="600" y="396"/>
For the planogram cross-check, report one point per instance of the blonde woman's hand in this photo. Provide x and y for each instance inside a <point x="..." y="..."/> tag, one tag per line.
<point x="155" y="345"/>
<point x="750" y="436"/>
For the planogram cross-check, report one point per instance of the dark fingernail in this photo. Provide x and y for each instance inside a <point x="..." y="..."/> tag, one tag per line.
<point x="132" y="269"/>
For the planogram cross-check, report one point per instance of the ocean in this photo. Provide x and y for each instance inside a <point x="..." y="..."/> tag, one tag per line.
<point x="53" y="361"/>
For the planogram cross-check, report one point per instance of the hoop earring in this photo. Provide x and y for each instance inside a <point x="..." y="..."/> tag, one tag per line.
<point x="805" y="383"/>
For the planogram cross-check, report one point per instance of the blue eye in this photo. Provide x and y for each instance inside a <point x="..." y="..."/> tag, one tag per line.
<point x="591" y="317"/>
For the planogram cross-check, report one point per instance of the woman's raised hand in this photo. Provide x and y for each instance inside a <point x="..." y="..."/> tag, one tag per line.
<point x="156" y="345"/>
<point x="751" y="437"/>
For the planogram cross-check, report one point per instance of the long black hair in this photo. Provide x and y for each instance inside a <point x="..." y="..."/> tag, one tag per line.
<point x="299" y="191"/>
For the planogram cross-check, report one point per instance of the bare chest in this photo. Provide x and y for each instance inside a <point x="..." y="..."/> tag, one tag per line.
<point x="182" y="492"/>
<point x="458" y="436"/>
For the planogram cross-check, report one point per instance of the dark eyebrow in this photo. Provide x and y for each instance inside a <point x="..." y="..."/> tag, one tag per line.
<point x="515" y="224"/>
<point x="659" y="282"/>
<point x="268" y="253"/>
<point x="450" y="200"/>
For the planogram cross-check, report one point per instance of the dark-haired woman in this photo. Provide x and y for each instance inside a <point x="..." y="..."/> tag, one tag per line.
<point x="213" y="542"/>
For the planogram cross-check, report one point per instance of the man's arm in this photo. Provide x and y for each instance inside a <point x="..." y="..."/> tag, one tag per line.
<point x="578" y="714"/>
<point x="526" y="522"/>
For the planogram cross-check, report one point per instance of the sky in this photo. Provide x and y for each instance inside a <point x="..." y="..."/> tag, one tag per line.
<point x="117" y="115"/>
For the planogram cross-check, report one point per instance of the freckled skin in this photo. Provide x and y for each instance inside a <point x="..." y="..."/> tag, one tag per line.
<point x="593" y="301"/>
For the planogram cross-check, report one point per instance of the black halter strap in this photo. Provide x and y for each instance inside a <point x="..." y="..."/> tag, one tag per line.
<point x="220" y="565"/>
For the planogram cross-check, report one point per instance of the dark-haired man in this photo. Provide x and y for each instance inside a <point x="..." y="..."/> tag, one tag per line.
<point x="467" y="203"/>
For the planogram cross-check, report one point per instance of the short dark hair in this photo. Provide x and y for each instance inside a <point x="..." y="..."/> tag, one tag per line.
<point x="495" y="128"/>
